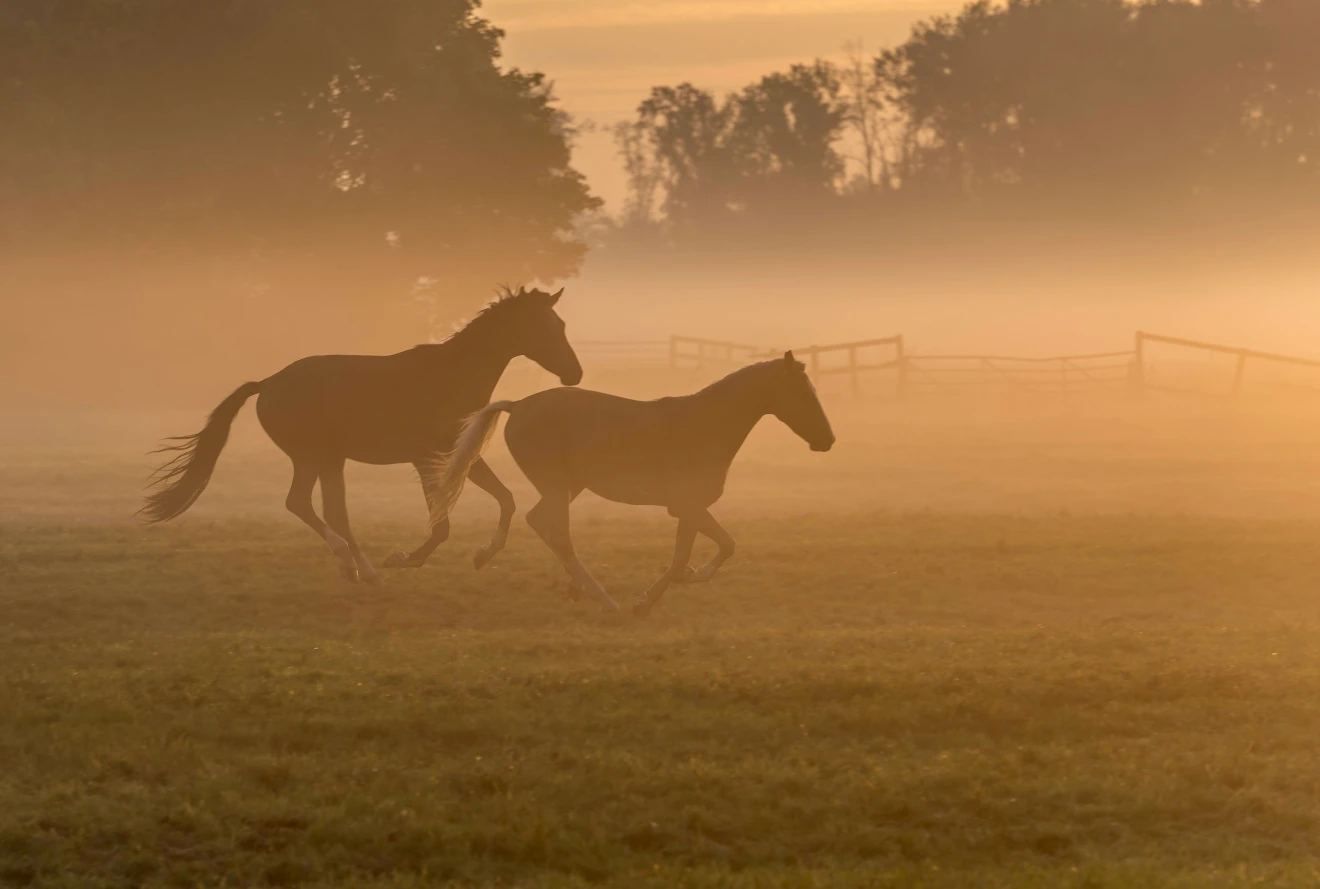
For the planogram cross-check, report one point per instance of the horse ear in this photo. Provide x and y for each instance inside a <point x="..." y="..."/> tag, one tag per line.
<point x="554" y="297"/>
<point x="788" y="357"/>
<point x="522" y="290"/>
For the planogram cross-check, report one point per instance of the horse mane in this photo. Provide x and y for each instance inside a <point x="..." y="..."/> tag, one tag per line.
<point x="505" y="300"/>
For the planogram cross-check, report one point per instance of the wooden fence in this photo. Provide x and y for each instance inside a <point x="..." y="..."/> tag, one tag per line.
<point x="1142" y="364"/>
<point x="889" y="354"/>
<point x="887" y="359"/>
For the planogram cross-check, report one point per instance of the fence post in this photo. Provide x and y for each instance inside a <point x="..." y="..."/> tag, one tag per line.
<point x="901" y="359"/>
<point x="852" y="371"/>
<point x="1137" y="378"/>
<point x="1237" y="373"/>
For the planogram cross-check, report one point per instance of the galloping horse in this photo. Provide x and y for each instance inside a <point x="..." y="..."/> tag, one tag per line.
<point x="673" y="452"/>
<point x="379" y="409"/>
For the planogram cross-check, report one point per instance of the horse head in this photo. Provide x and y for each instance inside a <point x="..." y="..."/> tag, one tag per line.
<point x="540" y="334"/>
<point x="797" y="405"/>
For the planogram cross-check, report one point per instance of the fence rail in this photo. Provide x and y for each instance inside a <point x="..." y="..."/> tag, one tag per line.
<point x="1065" y="373"/>
<point x="1239" y="370"/>
<point x="861" y="357"/>
<point x="855" y="353"/>
<point x="693" y="351"/>
<point x="1094" y="371"/>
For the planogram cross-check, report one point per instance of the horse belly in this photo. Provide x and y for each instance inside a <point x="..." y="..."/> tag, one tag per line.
<point x="624" y="475"/>
<point x="386" y="454"/>
<point x="360" y="432"/>
<point x="635" y="491"/>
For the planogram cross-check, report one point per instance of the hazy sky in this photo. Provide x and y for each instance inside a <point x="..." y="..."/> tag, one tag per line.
<point x="604" y="55"/>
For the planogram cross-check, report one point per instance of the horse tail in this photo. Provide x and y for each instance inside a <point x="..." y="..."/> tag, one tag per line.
<point x="180" y="481"/>
<point x="449" y="472"/>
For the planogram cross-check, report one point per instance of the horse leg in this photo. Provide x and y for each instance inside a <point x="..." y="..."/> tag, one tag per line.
<point x="686" y="536"/>
<point x="439" y="532"/>
<point x="549" y="519"/>
<point x="483" y="477"/>
<point x="334" y="504"/>
<point x="705" y="523"/>
<point x="575" y="591"/>
<point x="299" y="502"/>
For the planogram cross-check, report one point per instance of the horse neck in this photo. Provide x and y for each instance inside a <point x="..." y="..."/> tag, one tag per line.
<point x="731" y="408"/>
<point x="478" y="355"/>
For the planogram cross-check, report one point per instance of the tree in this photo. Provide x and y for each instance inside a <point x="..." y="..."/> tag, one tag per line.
<point x="1284" y="111"/>
<point x="326" y="150"/>
<point x="686" y="131"/>
<point x="1166" y="100"/>
<point x="873" y="125"/>
<point x="784" y="134"/>
<point x="701" y="161"/>
<point x="643" y="171"/>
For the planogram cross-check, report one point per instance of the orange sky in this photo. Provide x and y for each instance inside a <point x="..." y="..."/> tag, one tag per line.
<point x="605" y="54"/>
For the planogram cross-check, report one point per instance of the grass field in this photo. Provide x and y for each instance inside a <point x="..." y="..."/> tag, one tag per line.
<point x="930" y="700"/>
<point x="1115" y="695"/>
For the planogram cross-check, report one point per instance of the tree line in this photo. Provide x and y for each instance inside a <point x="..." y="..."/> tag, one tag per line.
<point x="1096" y="108"/>
<point x="387" y="141"/>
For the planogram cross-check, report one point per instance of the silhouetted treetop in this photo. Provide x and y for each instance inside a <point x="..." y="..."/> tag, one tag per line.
<point x="774" y="141"/>
<point x="383" y="129"/>
<point x="785" y="129"/>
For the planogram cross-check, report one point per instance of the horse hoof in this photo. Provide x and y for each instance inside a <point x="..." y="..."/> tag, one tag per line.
<point x="349" y="572"/>
<point x="573" y="593"/>
<point x="397" y="559"/>
<point x="371" y="578"/>
<point x="687" y="575"/>
<point x="641" y="608"/>
<point x="481" y="558"/>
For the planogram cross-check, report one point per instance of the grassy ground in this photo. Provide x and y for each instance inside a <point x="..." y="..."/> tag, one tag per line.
<point x="861" y="700"/>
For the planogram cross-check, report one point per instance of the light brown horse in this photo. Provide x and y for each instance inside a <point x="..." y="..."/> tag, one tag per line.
<point x="672" y="452"/>
<point x="380" y="409"/>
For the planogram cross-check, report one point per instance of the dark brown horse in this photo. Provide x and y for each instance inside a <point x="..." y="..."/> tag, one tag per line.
<point x="673" y="452"/>
<point x="380" y="409"/>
